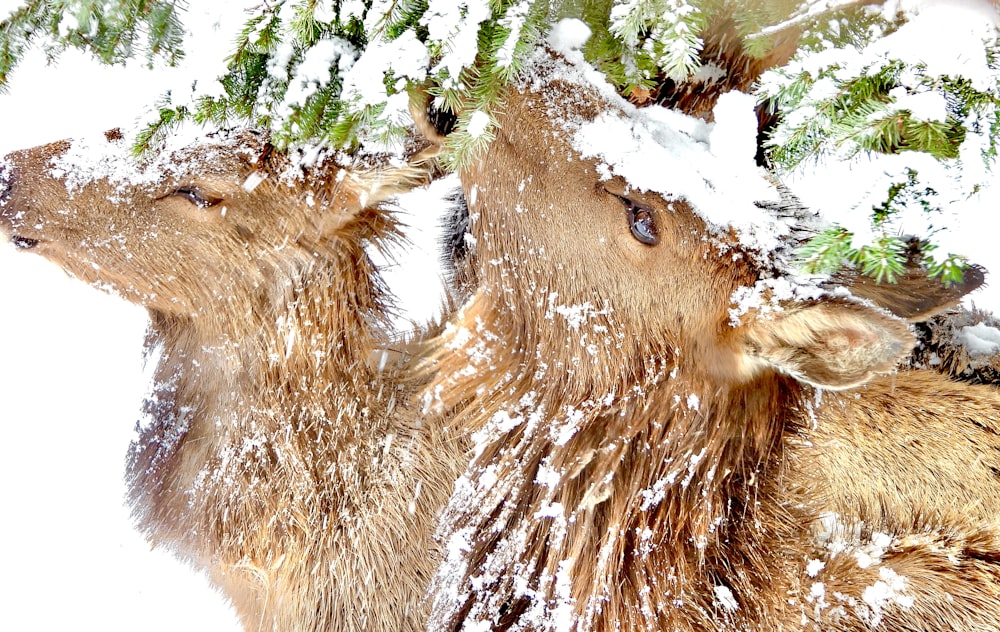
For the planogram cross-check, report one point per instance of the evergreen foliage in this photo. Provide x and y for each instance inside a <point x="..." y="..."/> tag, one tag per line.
<point x="112" y="31"/>
<point x="835" y="109"/>
<point x="338" y="73"/>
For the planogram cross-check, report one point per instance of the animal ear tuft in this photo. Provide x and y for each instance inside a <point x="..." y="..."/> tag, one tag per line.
<point x="830" y="344"/>
<point x="370" y="188"/>
<point x="433" y="123"/>
<point x="914" y="295"/>
<point x="349" y="191"/>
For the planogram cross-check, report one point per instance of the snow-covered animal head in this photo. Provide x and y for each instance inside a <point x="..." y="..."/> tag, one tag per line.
<point x="617" y="238"/>
<point x="221" y="220"/>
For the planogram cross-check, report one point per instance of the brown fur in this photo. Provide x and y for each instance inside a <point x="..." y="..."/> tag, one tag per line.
<point x="641" y="464"/>
<point x="274" y="453"/>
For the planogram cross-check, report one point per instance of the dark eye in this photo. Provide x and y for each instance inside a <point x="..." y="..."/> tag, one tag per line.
<point x="196" y="197"/>
<point x="641" y="222"/>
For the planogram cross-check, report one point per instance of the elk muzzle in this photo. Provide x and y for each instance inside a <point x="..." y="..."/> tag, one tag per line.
<point x="6" y="191"/>
<point x="11" y="216"/>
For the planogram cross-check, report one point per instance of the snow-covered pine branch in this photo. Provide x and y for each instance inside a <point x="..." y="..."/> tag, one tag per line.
<point x="908" y="103"/>
<point x="113" y="31"/>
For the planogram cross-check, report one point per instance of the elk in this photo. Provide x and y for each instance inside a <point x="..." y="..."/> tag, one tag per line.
<point x="643" y="461"/>
<point x="274" y="451"/>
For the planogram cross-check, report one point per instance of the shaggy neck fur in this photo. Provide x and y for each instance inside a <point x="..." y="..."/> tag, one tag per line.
<point x="275" y="453"/>
<point x="253" y="362"/>
<point x="587" y="490"/>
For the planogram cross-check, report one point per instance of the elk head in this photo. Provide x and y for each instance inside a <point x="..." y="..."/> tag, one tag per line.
<point x="218" y="222"/>
<point x="613" y="269"/>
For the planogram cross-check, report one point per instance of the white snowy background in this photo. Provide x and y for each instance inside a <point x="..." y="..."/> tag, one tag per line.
<point x="71" y="373"/>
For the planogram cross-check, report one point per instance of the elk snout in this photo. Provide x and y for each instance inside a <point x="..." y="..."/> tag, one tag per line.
<point x="6" y="191"/>
<point x="9" y="213"/>
<point x="6" y="181"/>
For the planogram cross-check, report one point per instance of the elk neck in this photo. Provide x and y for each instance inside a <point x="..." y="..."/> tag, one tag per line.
<point x="644" y="459"/>
<point x="256" y="396"/>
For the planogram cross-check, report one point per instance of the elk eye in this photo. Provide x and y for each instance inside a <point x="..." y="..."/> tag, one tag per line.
<point x="196" y="197"/>
<point x="641" y="222"/>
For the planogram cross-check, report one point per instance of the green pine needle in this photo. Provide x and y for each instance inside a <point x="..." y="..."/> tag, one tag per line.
<point x="638" y="44"/>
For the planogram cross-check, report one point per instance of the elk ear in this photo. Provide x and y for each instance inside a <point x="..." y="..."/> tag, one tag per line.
<point x="830" y="344"/>
<point x="361" y="189"/>
<point x="432" y="122"/>
<point x="723" y="50"/>
<point x="914" y="295"/>
<point x="348" y="191"/>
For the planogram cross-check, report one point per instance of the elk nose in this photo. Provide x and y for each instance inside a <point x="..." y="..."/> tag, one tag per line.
<point x="6" y="181"/>
<point x="11" y="212"/>
<point x="6" y="192"/>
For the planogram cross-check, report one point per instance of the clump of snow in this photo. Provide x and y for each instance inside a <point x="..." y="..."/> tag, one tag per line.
<point x="326" y="12"/>
<point x="564" y="430"/>
<point x="709" y="73"/>
<point x="838" y="537"/>
<point x="6" y="171"/>
<point x="253" y="180"/>
<point x="68" y="25"/>
<point x="404" y="57"/>
<point x="478" y="123"/>
<point x="568" y="35"/>
<point x="868" y="551"/>
<point x="455" y="25"/>
<point x="814" y="567"/>
<point x="655" y="493"/>
<point x="871" y="553"/>
<point x="889" y="589"/>
<point x="693" y="402"/>
<point x="455" y="559"/>
<point x="575" y="315"/>
<point x="964" y="26"/>
<point x="734" y="134"/>
<point x="94" y="157"/>
<point x="547" y="476"/>
<point x="981" y="340"/>
<point x="692" y="467"/>
<point x="314" y="71"/>
<point x="514" y="21"/>
<point x="766" y="295"/>
<point x="724" y="597"/>
<point x="562" y="616"/>
<point x="817" y="592"/>
<point x="926" y="106"/>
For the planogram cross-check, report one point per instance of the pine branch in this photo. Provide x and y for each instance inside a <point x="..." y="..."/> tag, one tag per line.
<point x="18" y="31"/>
<point x="314" y="71"/>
